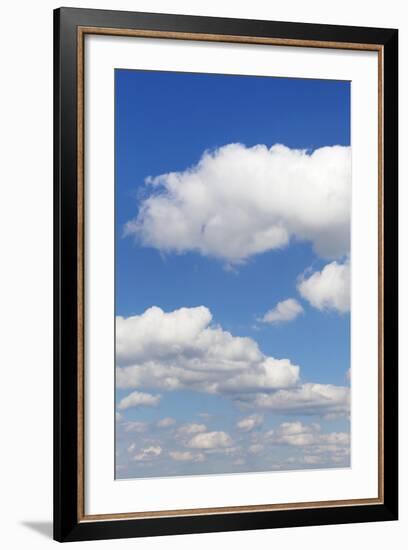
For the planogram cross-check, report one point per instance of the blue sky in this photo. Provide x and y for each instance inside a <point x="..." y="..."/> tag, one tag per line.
<point x="164" y="123"/>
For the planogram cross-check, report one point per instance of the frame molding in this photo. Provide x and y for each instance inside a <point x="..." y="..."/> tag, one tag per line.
<point x="70" y="27"/>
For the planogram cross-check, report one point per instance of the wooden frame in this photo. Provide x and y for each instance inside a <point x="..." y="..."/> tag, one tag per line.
<point x="71" y="522"/>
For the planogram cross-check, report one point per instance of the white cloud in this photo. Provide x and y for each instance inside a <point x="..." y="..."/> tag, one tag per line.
<point x="131" y="448"/>
<point x="284" y="311"/>
<point x="329" y="288"/>
<point x="182" y="350"/>
<point x="148" y="453"/>
<point x="205" y="415"/>
<point x="316" y="447"/>
<point x="166" y="422"/>
<point x="210" y="440"/>
<point x="312" y="446"/>
<point x="138" y="427"/>
<point x="250" y="422"/>
<point x="335" y="438"/>
<point x="239" y="201"/>
<point x="255" y="448"/>
<point x="190" y="429"/>
<point x="186" y="456"/>
<point x="295" y="433"/>
<point x="139" y="399"/>
<point x="313" y="459"/>
<point x="308" y="399"/>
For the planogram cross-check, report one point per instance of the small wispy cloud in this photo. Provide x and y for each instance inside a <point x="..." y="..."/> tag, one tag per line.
<point x="166" y="422"/>
<point x="283" y="312"/>
<point x="248" y="423"/>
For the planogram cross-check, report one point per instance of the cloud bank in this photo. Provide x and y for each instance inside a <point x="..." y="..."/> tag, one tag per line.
<point x="239" y="201"/>
<point x="307" y="399"/>
<point x="316" y="447"/>
<point x="292" y="444"/>
<point x="181" y="349"/>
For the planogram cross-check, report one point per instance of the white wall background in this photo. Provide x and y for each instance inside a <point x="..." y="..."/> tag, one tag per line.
<point x="26" y="271"/>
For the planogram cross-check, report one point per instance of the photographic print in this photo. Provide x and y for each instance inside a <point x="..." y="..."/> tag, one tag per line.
<point x="225" y="274"/>
<point x="232" y="274"/>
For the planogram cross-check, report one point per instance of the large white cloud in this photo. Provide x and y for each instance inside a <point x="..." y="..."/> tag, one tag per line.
<point x="156" y="334"/>
<point x="238" y="201"/>
<point x="284" y="311"/>
<point x="182" y="350"/>
<point x="329" y="288"/>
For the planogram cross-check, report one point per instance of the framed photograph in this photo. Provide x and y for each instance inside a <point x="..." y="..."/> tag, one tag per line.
<point x="225" y="274"/>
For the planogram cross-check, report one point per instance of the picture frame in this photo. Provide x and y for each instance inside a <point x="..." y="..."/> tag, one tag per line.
<point x="72" y="522"/>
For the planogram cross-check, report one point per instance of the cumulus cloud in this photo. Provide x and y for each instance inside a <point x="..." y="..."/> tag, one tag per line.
<point x="183" y="350"/>
<point x="295" y="433"/>
<point x="148" y="453"/>
<point x="248" y="423"/>
<point x="166" y="422"/>
<point x="317" y="447"/>
<point x="190" y="429"/>
<point x="255" y="448"/>
<point x="139" y="399"/>
<point x="312" y="459"/>
<point x="340" y="456"/>
<point x="138" y="427"/>
<point x="239" y="201"/>
<point x="186" y="456"/>
<point x="284" y="311"/>
<point x="308" y="399"/>
<point x="210" y="440"/>
<point x="329" y="288"/>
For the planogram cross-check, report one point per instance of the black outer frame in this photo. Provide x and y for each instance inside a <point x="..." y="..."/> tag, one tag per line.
<point x="66" y="524"/>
